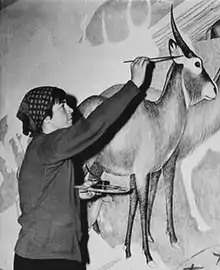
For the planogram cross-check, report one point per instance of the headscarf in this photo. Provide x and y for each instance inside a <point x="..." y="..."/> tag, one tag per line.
<point x="34" y="106"/>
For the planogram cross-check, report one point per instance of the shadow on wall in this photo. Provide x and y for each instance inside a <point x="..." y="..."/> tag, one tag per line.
<point x="72" y="103"/>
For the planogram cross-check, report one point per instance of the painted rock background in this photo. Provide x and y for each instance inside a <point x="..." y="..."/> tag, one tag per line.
<point x="80" y="46"/>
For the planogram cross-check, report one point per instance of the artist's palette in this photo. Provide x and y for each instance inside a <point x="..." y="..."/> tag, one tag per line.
<point x="107" y="189"/>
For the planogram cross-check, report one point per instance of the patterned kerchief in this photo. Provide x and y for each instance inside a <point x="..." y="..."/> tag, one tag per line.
<point x="34" y="106"/>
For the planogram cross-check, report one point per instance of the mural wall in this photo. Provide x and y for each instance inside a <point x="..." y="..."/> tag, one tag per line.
<point x="80" y="46"/>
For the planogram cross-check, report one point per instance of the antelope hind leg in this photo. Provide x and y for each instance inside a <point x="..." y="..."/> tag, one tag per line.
<point x="143" y="200"/>
<point x="153" y="185"/>
<point x="133" y="201"/>
<point x="169" y="175"/>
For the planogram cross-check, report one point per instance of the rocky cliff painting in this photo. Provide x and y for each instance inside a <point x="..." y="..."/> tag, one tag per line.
<point x="62" y="43"/>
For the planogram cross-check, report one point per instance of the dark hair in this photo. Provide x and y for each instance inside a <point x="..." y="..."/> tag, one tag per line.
<point x="58" y="96"/>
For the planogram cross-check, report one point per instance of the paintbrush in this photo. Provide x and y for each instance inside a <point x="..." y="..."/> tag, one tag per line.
<point x="158" y="59"/>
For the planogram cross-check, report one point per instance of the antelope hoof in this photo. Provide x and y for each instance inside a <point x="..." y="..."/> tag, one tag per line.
<point x="176" y="245"/>
<point x="173" y="239"/>
<point x="152" y="264"/>
<point x="150" y="238"/>
<point x="149" y="260"/>
<point x="127" y="252"/>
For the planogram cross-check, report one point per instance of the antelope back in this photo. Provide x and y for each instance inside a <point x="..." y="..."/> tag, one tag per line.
<point x="153" y="94"/>
<point x="89" y="104"/>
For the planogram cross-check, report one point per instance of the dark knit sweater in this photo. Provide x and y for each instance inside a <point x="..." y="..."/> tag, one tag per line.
<point x="50" y="219"/>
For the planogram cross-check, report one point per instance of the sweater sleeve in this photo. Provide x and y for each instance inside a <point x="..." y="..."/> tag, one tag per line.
<point x="65" y="143"/>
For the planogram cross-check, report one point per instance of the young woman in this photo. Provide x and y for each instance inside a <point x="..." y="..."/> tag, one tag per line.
<point x="50" y="233"/>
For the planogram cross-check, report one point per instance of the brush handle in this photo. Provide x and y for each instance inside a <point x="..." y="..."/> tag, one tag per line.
<point x="158" y="59"/>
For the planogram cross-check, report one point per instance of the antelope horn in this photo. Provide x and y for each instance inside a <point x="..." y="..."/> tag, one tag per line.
<point x="184" y="47"/>
<point x="217" y="75"/>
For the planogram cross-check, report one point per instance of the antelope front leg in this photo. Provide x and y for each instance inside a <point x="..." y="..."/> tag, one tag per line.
<point x="133" y="201"/>
<point x="169" y="174"/>
<point x="143" y="200"/>
<point x="153" y="185"/>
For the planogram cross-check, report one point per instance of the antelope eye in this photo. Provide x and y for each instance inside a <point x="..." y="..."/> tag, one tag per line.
<point x="197" y="64"/>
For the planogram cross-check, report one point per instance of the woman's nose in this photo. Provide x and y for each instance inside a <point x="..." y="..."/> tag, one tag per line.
<point x="68" y="109"/>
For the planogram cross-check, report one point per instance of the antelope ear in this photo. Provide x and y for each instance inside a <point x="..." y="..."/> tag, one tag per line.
<point x="175" y="50"/>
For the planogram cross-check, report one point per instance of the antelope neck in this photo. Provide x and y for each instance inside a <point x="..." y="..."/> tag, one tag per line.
<point x="172" y="97"/>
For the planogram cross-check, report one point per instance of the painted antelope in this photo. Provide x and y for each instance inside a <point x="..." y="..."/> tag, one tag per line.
<point x="150" y="137"/>
<point x="203" y="121"/>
